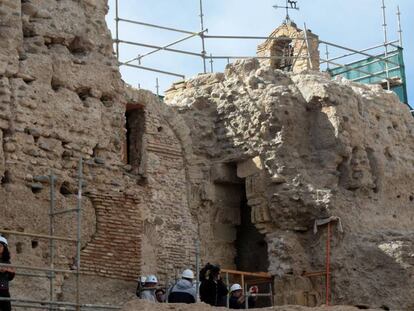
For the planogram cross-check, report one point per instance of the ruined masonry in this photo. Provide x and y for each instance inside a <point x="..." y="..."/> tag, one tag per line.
<point x="245" y="161"/>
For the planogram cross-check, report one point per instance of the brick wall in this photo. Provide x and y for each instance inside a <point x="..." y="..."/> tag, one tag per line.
<point x="115" y="249"/>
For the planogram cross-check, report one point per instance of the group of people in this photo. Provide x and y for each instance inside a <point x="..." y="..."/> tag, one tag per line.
<point x="6" y="275"/>
<point x="183" y="291"/>
<point x="212" y="290"/>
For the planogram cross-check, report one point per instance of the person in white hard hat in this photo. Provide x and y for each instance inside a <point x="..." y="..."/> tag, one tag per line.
<point x="238" y="300"/>
<point x="148" y="291"/>
<point x="140" y="285"/>
<point x="6" y="274"/>
<point x="183" y="291"/>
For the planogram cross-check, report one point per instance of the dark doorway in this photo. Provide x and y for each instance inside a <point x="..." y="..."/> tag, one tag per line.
<point x="135" y="126"/>
<point x="250" y="244"/>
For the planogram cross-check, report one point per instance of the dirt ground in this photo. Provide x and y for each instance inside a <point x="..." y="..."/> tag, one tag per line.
<point x="140" y="305"/>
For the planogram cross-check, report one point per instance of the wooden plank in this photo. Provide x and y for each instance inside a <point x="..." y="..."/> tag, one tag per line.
<point x="244" y="273"/>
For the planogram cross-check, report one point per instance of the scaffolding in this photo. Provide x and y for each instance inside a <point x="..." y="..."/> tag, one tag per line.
<point x="248" y="279"/>
<point x="51" y="271"/>
<point x="264" y="280"/>
<point x="391" y="74"/>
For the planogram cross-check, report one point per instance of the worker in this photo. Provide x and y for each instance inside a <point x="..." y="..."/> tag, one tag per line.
<point x="183" y="291"/>
<point x="212" y="289"/>
<point x="6" y="274"/>
<point x="148" y="291"/>
<point x="140" y="285"/>
<point x="238" y="300"/>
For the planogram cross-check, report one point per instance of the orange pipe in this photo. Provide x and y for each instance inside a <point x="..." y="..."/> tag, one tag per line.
<point x="328" y="264"/>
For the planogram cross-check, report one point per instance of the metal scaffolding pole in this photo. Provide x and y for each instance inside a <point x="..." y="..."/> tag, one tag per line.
<point x="117" y="28"/>
<point x="253" y="38"/>
<point x="248" y="57"/>
<point x="37" y="268"/>
<point x="35" y="235"/>
<point x="52" y="179"/>
<point x="140" y="57"/>
<point x="203" y="43"/>
<point x="156" y="26"/>
<point x="78" y="248"/>
<point x="197" y="245"/>
<point x="384" y="25"/>
<point x="327" y="55"/>
<point x="168" y="45"/>
<point x="400" y="36"/>
<point x="360" y="51"/>
<point x="154" y="70"/>
<point x="308" y="47"/>
<point x="159" y="47"/>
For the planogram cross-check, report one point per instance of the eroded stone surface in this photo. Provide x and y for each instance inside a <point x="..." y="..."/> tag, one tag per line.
<point x="305" y="148"/>
<point x="328" y="148"/>
<point x="62" y="98"/>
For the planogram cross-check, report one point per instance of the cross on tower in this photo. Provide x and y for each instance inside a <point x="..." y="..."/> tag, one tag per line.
<point x="290" y="5"/>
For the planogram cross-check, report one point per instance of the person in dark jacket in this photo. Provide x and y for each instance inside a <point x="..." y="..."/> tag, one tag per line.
<point x="6" y="275"/>
<point x="183" y="291"/>
<point x="212" y="289"/>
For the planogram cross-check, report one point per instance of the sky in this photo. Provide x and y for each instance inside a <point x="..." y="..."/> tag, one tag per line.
<point x="352" y="23"/>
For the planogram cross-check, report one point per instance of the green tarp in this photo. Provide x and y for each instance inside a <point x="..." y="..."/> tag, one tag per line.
<point x="373" y="70"/>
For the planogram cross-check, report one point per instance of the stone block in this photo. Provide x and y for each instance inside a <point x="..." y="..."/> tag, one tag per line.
<point x="207" y="192"/>
<point x="224" y="173"/>
<point x="249" y="167"/>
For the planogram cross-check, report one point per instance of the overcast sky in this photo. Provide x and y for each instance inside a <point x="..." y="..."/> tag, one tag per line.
<point x="353" y="23"/>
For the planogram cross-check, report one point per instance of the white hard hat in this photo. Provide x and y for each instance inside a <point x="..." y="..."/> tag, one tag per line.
<point x="187" y="274"/>
<point x="235" y="287"/>
<point x="3" y="240"/>
<point x="151" y="279"/>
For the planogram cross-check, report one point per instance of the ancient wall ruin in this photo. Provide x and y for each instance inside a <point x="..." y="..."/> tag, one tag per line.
<point x="62" y="98"/>
<point x="282" y="148"/>
<point x="307" y="148"/>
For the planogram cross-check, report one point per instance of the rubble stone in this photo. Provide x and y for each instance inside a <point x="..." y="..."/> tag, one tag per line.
<point x="306" y="148"/>
<point x="244" y="161"/>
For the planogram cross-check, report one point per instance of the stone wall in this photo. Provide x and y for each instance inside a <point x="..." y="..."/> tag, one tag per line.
<point x="62" y="98"/>
<point x="301" y="146"/>
<point x="309" y="148"/>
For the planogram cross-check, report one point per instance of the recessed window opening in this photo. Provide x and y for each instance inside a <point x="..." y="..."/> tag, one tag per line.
<point x="135" y="127"/>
